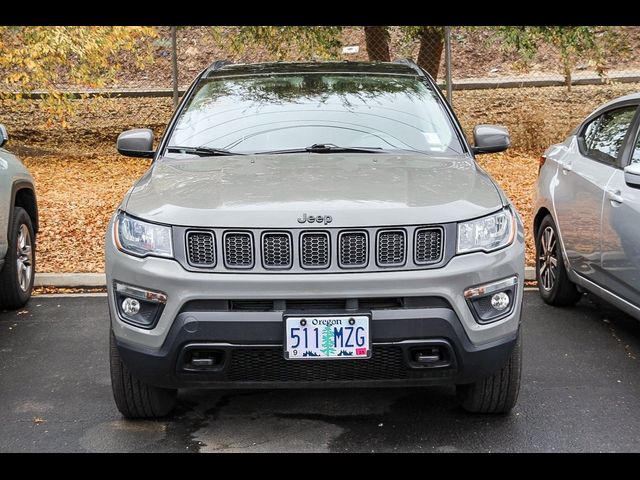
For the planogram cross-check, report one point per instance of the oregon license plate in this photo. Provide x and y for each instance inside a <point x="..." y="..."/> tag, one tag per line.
<point x="327" y="336"/>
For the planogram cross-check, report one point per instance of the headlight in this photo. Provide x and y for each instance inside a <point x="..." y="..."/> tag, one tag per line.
<point x="142" y="238"/>
<point x="487" y="233"/>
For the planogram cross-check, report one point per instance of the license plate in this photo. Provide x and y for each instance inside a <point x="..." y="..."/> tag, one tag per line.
<point x="323" y="337"/>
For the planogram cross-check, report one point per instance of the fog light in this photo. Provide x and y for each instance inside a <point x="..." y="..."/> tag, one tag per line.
<point x="138" y="306"/>
<point x="492" y="301"/>
<point x="500" y="301"/>
<point x="130" y="306"/>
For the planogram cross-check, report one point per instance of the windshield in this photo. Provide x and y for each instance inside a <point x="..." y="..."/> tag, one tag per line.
<point x="294" y="111"/>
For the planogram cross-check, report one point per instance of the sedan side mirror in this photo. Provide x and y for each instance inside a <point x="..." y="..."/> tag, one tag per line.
<point x="136" y="143"/>
<point x="490" y="139"/>
<point x="4" y="136"/>
<point x="632" y="175"/>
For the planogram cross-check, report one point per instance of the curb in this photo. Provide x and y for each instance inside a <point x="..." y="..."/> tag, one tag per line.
<point x="70" y="280"/>
<point x="76" y="280"/>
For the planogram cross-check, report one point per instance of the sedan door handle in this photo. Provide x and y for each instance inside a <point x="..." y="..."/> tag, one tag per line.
<point x="567" y="167"/>
<point x="615" y="196"/>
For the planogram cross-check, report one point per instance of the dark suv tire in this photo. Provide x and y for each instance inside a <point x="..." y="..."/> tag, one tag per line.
<point x="497" y="393"/>
<point x="136" y="399"/>
<point x="553" y="282"/>
<point x="16" y="277"/>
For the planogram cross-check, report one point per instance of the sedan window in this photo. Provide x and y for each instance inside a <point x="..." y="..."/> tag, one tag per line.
<point x="603" y="137"/>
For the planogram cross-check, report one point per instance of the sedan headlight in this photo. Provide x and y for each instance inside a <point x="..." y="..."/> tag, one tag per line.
<point x="140" y="238"/>
<point x="487" y="233"/>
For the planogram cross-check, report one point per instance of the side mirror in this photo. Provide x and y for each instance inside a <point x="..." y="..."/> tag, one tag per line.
<point x="632" y="175"/>
<point x="490" y="139"/>
<point x="136" y="143"/>
<point x="4" y="136"/>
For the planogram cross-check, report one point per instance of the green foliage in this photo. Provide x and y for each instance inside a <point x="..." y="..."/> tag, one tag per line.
<point x="283" y="42"/>
<point x="573" y="43"/>
<point x="48" y="58"/>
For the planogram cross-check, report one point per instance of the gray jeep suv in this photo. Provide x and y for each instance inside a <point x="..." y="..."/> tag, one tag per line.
<point x="18" y="227"/>
<point x="314" y="225"/>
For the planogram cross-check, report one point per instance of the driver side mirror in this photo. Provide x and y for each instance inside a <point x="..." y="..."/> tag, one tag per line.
<point x="4" y="136"/>
<point x="632" y="175"/>
<point x="136" y="143"/>
<point x="490" y="139"/>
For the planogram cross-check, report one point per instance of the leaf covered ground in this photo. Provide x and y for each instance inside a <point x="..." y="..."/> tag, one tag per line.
<point x="76" y="197"/>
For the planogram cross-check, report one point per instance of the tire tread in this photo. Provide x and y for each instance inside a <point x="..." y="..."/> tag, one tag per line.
<point x="497" y="393"/>
<point x="134" y="398"/>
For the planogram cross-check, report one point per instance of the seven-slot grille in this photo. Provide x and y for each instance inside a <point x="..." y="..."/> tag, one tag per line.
<point x="391" y="247"/>
<point x="354" y="249"/>
<point x="297" y="250"/>
<point x="428" y="245"/>
<point x="314" y="248"/>
<point x="201" y="249"/>
<point x="238" y="250"/>
<point x="276" y="250"/>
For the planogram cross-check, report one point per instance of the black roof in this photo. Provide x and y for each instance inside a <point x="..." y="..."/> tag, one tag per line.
<point x="389" y="68"/>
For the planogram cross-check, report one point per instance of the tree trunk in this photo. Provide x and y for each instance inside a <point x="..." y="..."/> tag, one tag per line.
<point x="431" y="46"/>
<point x="377" y="40"/>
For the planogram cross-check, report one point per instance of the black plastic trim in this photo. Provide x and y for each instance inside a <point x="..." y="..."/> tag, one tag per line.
<point x="15" y="188"/>
<point x="159" y="367"/>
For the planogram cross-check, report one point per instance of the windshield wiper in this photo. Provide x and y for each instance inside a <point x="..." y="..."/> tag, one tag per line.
<point x="202" y="151"/>
<point x="331" y="148"/>
<point x="326" y="148"/>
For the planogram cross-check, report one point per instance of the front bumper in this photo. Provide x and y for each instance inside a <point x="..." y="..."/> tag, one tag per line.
<point x="249" y="355"/>
<point x="154" y="355"/>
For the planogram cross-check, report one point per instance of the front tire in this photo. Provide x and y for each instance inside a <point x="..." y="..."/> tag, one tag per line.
<point x="553" y="282"/>
<point x="16" y="277"/>
<point x="134" y="398"/>
<point x="497" y="393"/>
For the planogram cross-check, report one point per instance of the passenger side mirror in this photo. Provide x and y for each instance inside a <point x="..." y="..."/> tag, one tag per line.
<point x="632" y="175"/>
<point x="136" y="143"/>
<point x="490" y="139"/>
<point x="4" y="136"/>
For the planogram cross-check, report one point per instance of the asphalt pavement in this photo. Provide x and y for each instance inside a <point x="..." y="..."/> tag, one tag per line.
<point x="580" y="393"/>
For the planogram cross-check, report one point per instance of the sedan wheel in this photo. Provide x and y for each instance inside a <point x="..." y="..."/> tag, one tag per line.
<point x="553" y="282"/>
<point x="547" y="259"/>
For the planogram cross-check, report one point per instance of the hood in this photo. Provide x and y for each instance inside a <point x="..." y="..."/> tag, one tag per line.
<point x="266" y="191"/>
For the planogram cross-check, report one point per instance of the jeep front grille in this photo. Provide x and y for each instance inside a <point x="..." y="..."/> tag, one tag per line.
<point x="238" y="250"/>
<point x="428" y="247"/>
<point x="276" y="250"/>
<point x="315" y="249"/>
<point x="304" y="250"/>
<point x="353" y="249"/>
<point x="202" y="249"/>
<point x="391" y="248"/>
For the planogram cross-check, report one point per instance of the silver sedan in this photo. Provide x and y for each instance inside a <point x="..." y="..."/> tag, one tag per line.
<point x="587" y="204"/>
